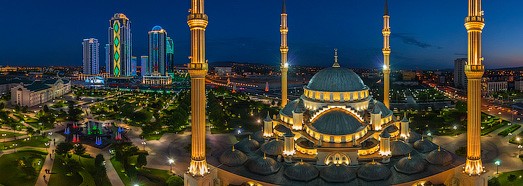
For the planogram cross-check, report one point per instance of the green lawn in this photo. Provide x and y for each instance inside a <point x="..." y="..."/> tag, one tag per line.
<point x="83" y="176"/>
<point x="13" y="174"/>
<point x="511" y="129"/>
<point x="8" y="134"/>
<point x="146" y="176"/>
<point x="505" y="179"/>
<point x="36" y="141"/>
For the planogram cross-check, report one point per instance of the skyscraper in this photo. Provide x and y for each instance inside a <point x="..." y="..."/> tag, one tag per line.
<point x="120" y="45"/>
<point x="91" y="59"/>
<point x="107" y="59"/>
<point x="386" y="55"/>
<point x="170" y="55"/>
<point x="133" y="65"/>
<point x="157" y="52"/>
<point x="143" y="61"/>
<point x="460" y="79"/>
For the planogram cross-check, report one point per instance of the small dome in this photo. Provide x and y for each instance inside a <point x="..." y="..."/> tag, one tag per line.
<point x="410" y="165"/>
<point x="337" y="122"/>
<point x="247" y="145"/>
<point x="263" y="166"/>
<point x="301" y="171"/>
<point x="391" y="129"/>
<point x="233" y="158"/>
<point x="380" y="107"/>
<point x="289" y="108"/>
<point x="370" y="143"/>
<point x="385" y="134"/>
<point x="258" y="136"/>
<point x="304" y="143"/>
<point x="400" y="148"/>
<point x="157" y="28"/>
<point x="413" y="137"/>
<point x="283" y="129"/>
<point x="336" y="79"/>
<point x="373" y="171"/>
<point x="424" y="145"/>
<point x="273" y="148"/>
<point x="440" y="157"/>
<point x="338" y="174"/>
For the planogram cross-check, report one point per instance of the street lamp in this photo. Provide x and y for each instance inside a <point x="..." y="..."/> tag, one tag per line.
<point x="171" y="162"/>
<point x="3" y="137"/>
<point x="144" y="143"/>
<point x="46" y="145"/>
<point x="498" y="163"/>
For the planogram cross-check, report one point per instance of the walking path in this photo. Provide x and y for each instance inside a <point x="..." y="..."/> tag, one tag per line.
<point x="111" y="171"/>
<point x="48" y="164"/>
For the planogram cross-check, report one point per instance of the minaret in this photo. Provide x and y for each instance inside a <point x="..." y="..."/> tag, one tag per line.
<point x="474" y="69"/>
<point x="284" y="49"/>
<point x="386" y="55"/>
<point x="197" y="21"/>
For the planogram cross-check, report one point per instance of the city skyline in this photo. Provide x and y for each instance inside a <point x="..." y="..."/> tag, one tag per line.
<point x="418" y="41"/>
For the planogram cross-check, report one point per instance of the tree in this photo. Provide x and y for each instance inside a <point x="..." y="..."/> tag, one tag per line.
<point x="142" y="160"/>
<point x="46" y="108"/>
<point x="30" y="131"/>
<point x="64" y="148"/>
<point x="99" y="161"/>
<point x="174" y="181"/>
<point x="79" y="150"/>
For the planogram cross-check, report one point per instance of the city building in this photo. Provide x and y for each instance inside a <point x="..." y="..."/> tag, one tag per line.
<point x="91" y="56"/>
<point x="496" y="86"/>
<point x="170" y="55"/>
<point x="143" y="61"/>
<point x="107" y="59"/>
<point x="120" y="46"/>
<point x="518" y="85"/>
<point x="7" y="83"/>
<point x="408" y="75"/>
<point x="156" y="71"/>
<point x="460" y="79"/>
<point x="39" y="92"/>
<point x="133" y="65"/>
<point x="223" y="71"/>
<point x="157" y="63"/>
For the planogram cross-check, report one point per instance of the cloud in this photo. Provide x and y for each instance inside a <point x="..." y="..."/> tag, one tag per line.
<point x="411" y="40"/>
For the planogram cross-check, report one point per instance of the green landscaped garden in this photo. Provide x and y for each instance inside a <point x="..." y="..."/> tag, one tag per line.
<point x="67" y="170"/>
<point x="21" y="168"/>
<point x="509" y="130"/>
<point x="507" y="179"/>
<point x="144" y="176"/>
<point x="9" y="134"/>
<point x="36" y="141"/>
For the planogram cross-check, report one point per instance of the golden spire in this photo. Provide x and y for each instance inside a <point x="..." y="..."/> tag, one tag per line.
<point x="336" y="64"/>
<point x="284" y="49"/>
<point x="197" y="21"/>
<point x="386" y="55"/>
<point x="474" y="69"/>
<point x="233" y="148"/>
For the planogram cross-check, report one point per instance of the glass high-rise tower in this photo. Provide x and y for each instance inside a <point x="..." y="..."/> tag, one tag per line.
<point x="170" y="55"/>
<point x="120" y="46"/>
<point x="157" y="65"/>
<point x="91" y="60"/>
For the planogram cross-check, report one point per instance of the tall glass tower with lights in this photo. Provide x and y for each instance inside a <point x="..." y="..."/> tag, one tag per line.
<point x="120" y="46"/>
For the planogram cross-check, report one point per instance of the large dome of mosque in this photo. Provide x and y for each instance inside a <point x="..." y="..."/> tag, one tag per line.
<point x="336" y="79"/>
<point x="337" y="123"/>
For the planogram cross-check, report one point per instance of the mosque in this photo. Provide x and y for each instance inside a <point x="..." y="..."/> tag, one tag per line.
<point x="334" y="134"/>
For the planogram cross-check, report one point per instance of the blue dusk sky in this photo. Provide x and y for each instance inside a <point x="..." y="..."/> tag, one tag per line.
<point x="425" y="34"/>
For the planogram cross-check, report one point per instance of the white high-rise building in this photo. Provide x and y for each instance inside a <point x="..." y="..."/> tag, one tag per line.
<point x="91" y="60"/>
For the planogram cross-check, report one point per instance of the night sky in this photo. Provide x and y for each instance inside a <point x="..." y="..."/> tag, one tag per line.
<point x="426" y="34"/>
